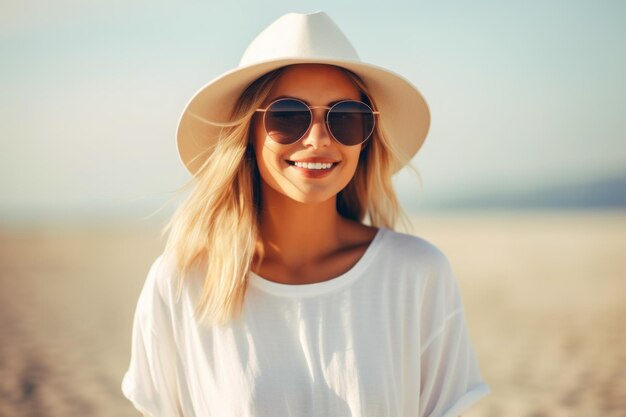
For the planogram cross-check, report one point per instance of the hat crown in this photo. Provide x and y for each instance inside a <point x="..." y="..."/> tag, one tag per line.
<point x="296" y="35"/>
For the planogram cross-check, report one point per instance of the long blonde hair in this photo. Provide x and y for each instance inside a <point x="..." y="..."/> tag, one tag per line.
<point x="216" y="226"/>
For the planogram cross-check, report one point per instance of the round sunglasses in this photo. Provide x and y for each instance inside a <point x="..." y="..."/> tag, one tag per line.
<point x="287" y="120"/>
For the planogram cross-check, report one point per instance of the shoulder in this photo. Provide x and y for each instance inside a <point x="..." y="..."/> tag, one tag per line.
<point x="422" y="263"/>
<point x="161" y="280"/>
<point x="412" y="250"/>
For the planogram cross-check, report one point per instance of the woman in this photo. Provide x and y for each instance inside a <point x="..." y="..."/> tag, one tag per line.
<point x="273" y="297"/>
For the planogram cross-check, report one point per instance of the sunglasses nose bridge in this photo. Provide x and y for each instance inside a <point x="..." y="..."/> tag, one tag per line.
<point x="319" y="115"/>
<point x="318" y="132"/>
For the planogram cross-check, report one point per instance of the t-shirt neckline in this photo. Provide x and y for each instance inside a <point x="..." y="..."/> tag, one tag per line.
<point x="330" y="285"/>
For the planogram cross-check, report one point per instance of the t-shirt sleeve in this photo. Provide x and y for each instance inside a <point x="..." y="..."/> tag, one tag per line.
<point x="450" y="380"/>
<point x="150" y="381"/>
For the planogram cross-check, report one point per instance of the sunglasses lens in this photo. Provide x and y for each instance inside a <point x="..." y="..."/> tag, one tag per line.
<point x="287" y="120"/>
<point x="351" y="122"/>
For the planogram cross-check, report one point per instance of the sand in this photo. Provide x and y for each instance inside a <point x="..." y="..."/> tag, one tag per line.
<point x="545" y="298"/>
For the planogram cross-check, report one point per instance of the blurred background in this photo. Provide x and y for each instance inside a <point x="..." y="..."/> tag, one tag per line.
<point x="522" y="181"/>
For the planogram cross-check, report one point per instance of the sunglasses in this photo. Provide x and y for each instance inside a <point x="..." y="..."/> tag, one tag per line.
<point x="287" y="120"/>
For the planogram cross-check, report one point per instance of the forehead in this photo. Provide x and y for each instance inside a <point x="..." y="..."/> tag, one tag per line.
<point x="315" y="84"/>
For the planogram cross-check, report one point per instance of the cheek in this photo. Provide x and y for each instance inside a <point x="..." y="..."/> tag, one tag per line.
<point x="353" y="157"/>
<point x="268" y="157"/>
<point x="267" y="153"/>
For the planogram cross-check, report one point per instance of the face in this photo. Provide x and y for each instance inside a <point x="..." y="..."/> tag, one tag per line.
<point x="285" y="168"/>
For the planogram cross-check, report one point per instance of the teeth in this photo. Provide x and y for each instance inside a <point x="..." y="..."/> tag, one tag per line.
<point x="313" y="165"/>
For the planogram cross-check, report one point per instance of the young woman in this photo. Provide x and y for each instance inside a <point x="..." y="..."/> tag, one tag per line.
<point x="273" y="296"/>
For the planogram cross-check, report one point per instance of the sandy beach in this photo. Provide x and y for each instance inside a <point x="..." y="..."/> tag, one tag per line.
<point x="544" y="295"/>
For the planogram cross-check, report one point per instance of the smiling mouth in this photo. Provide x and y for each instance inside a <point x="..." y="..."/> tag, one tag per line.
<point x="313" y="165"/>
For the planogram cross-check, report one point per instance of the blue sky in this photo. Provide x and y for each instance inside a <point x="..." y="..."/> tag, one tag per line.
<point x="522" y="94"/>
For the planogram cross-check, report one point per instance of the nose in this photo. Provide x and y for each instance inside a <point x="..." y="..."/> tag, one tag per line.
<point x="318" y="135"/>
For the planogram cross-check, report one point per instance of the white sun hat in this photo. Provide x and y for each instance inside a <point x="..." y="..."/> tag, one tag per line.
<point x="297" y="39"/>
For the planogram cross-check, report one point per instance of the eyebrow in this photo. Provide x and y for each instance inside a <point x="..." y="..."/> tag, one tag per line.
<point x="332" y="103"/>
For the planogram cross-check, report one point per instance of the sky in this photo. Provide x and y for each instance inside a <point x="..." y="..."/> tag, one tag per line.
<point x="522" y="94"/>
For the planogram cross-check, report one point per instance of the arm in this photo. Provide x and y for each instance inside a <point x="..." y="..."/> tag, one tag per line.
<point x="150" y="381"/>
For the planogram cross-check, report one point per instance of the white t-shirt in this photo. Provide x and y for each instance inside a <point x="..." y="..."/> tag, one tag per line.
<point x="386" y="338"/>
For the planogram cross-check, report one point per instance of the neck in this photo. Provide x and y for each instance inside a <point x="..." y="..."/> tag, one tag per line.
<point x="295" y="233"/>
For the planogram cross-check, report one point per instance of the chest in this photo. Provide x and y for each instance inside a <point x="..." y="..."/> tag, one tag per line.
<point x="342" y="356"/>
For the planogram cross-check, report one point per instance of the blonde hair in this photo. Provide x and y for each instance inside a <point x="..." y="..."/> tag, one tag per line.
<point x="216" y="226"/>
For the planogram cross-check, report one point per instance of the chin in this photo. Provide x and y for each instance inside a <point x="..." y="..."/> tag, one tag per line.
<point x="310" y="198"/>
<point x="304" y="192"/>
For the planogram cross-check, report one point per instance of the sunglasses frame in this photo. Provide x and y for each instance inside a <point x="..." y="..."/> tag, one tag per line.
<point x="311" y="108"/>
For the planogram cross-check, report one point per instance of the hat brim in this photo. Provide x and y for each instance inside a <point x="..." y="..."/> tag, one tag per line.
<point x="404" y="114"/>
